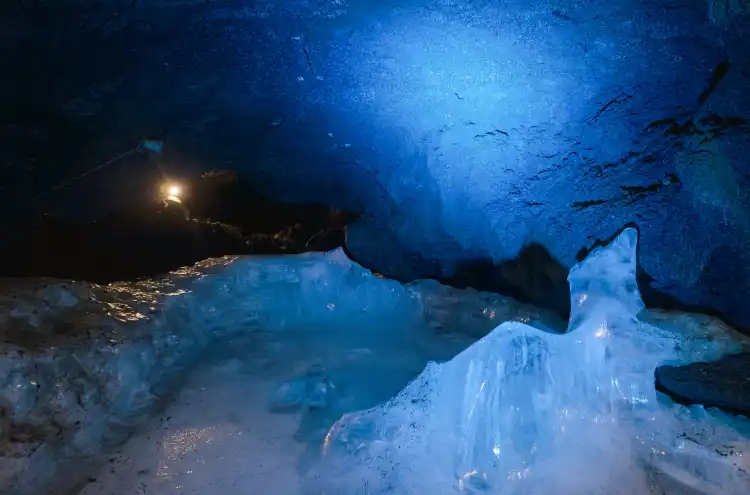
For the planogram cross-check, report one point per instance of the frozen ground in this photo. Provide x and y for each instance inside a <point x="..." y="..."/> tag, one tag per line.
<point x="218" y="435"/>
<point x="309" y="373"/>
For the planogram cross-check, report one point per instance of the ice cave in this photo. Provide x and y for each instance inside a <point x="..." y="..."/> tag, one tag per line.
<point x="375" y="247"/>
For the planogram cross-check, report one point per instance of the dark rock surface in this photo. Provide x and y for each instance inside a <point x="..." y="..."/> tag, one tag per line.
<point x="724" y="384"/>
<point x="219" y="215"/>
<point x="463" y="129"/>
<point x="533" y="277"/>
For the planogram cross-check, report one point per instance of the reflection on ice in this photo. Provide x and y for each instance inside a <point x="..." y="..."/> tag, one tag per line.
<point x="523" y="411"/>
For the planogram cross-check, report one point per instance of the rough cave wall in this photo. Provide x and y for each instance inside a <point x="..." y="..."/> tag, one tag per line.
<point x="463" y="128"/>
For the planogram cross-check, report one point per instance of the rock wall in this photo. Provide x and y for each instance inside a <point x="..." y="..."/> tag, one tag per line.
<point x="463" y="129"/>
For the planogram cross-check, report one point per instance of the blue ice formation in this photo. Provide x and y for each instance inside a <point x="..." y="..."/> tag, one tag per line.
<point x="523" y="411"/>
<point x="82" y="365"/>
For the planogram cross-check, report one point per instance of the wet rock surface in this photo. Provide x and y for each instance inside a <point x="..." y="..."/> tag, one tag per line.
<point x="724" y="384"/>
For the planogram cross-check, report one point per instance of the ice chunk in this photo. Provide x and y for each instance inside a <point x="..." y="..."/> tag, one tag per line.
<point x="313" y="390"/>
<point x="527" y="411"/>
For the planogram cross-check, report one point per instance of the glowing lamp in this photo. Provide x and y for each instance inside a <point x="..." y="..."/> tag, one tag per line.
<point x="173" y="192"/>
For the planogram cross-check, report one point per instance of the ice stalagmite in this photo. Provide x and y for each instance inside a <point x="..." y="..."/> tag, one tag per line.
<point x="523" y="411"/>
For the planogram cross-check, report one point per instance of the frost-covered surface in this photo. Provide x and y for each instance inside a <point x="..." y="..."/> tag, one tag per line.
<point x="526" y="411"/>
<point x="82" y="365"/>
<point x="215" y="436"/>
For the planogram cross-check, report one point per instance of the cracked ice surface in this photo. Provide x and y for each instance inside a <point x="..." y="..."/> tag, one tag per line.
<point x="529" y="412"/>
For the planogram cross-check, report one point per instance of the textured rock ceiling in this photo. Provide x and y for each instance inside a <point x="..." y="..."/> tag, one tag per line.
<point x="462" y="128"/>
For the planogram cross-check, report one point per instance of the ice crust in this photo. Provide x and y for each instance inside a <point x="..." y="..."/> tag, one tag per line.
<point x="83" y="365"/>
<point x="524" y="411"/>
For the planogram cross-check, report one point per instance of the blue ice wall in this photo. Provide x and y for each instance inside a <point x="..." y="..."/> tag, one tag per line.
<point x="461" y="128"/>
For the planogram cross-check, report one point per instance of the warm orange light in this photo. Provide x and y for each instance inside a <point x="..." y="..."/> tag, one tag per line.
<point x="172" y="192"/>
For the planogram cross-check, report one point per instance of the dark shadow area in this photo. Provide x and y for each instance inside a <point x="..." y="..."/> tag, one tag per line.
<point x="533" y="277"/>
<point x="219" y="215"/>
